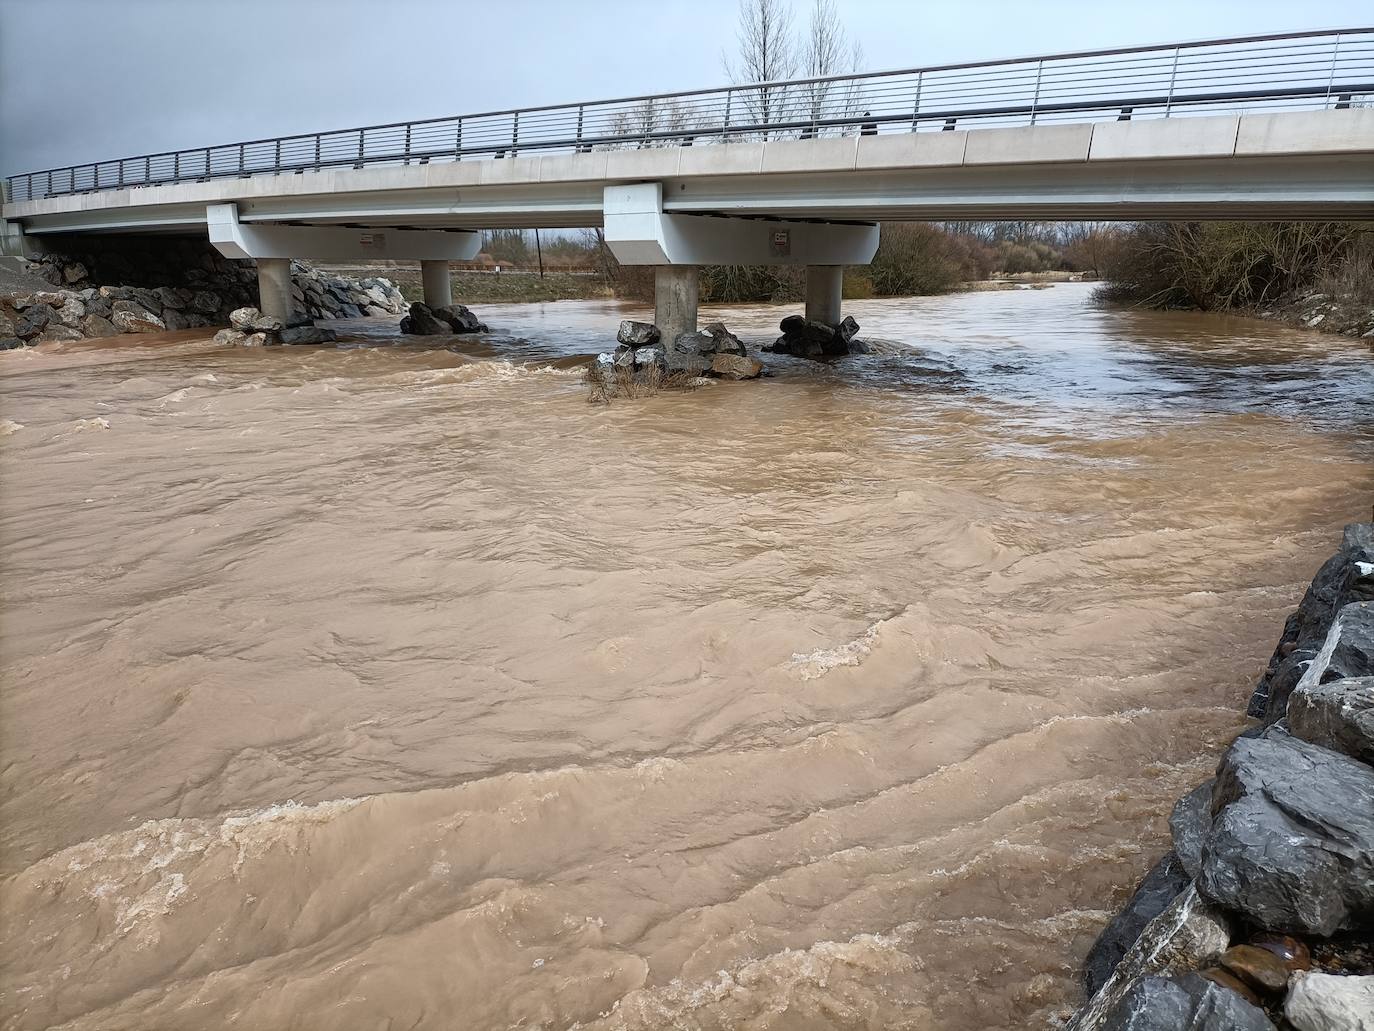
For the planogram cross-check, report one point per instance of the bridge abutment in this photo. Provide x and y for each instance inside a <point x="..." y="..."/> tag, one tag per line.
<point x="824" y="292"/>
<point x="676" y="290"/>
<point x="274" y="288"/>
<point x="438" y="283"/>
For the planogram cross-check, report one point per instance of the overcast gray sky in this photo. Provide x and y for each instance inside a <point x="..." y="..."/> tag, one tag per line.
<point x="84" y="80"/>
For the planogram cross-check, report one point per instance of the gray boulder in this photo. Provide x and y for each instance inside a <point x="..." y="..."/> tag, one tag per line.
<point x="1338" y="714"/>
<point x="847" y="329"/>
<point x="170" y="298"/>
<point x="460" y="319"/>
<point x="75" y="272"/>
<point x="724" y="341"/>
<point x="1189" y="824"/>
<point x="57" y="331"/>
<point x="250" y="320"/>
<point x="72" y="312"/>
<point x="97" y="326"/>
<point x="689" y="364"/>
<point x="230" y="337"/>
<point x="728" y="365"/>
<point x="1164" y="882"/>
<point x="1346" y="577"/>
<point x="1330" y="1002"/>
<point x="129" y="317"/>
<point x="420" y="322"/>
<point x="10" y="343"/>
<point x="637" y="334"/>
<point x="1292" y="839"/>
<point x="33" y="320"/>
<point x="647" y="356"/>
<point x="306" y="335"/>
<point x="1184" y="1003"/>
<point x="204" y="301"/>
<point x="696" y="344"/>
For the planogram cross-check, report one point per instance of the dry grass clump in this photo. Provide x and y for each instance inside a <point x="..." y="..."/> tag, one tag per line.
<point x="625" y="383"/>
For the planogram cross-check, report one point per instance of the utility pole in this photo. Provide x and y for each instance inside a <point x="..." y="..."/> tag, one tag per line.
<point x="539" y="252"/>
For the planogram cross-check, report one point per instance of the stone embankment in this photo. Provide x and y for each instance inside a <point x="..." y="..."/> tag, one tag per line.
<point x="1326" y="313"/>
<point x="1262" y="915"/>
<point x="182" y="285"/>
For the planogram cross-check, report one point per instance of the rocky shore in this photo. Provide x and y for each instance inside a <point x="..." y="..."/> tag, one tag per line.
<point x="180" y="285"/>
<point x="1326" y="313"/>
<point x="1262" y="914"/>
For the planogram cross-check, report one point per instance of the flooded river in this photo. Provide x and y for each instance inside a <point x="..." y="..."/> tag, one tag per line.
<point x="391" y="687"/>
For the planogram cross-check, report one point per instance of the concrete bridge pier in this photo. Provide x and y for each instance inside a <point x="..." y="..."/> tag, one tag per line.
<point x="824" y="291"/>
<point x="438" y="283"/>
<point x="675" y="300"/>
<point x="274" y="288"/>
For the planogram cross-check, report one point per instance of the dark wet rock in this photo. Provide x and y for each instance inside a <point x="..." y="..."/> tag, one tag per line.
<point x="1189" y="823"/>
<point x="1338" y="714"/>
<point x="637" y="334"/>
<point x="1294" y="954"/>
<point x="807" y="338"/>
<point x="1292" y="840"/>
<point x="1157" y="889"/>
<point x="724" y="342"/>
<point x="422" y="322"/>
<point x="33" y="320"/>
<point x="205" y="301"/>
<point x="690" y="364"/>
<point x="306" y="335"/>
<point x="1259" y="968"/>
<point x="1190" y="933"/>
<point x="698" y="343"/>
<point x="1184" y="1003"/>
<point x="736" y="366"/>
<point x="1330" y="1002"/>
<point x="459" y="318"/>
<point x="1346" y="577"/>
<point x="10" y="343"/>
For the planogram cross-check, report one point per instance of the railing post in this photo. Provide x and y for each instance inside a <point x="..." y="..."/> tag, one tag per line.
<point x="514" y="134"/>
<point x="458" y="142"/>
<point x="276" y="161"/>
<point x="725" y="126"/>
<point x="407" y="153"/>
<point x="49" y="190"/>
<point x="361" y="134"/>
<point x="317" y="152"/>
<point x="120" y="181"/>
<point x="147" y="170"/>
<point x="1035" y="100"/>
<point x="176" y="167"/>
<point x="916" y="105"/>
<point x="28" y="188"/>
<point x="241" y="157"/>
<point x="580" y="111"/>
<point x="1173" y="78"/>
<point x="1331" y="76"/>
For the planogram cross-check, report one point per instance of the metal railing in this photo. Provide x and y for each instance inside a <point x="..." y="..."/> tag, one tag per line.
<point x="1299" y="70"/>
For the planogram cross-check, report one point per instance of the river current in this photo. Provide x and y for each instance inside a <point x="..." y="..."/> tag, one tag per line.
<point x="393" y="686"/>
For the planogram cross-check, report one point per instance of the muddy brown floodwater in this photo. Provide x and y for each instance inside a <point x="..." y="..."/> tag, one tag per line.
<point x="391" y="687"/>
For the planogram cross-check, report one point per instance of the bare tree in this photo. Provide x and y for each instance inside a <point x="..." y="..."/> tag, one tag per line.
<point x="767" y="52"/>
<point x="826" y="51"/>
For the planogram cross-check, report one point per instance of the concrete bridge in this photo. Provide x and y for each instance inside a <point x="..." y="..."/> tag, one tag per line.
<point x="796" y="172"/>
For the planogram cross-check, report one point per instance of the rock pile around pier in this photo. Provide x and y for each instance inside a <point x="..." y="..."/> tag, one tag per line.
<point x="453" y="318"/>
<point x="1262" y="915"/>
<point x="249" y="327"/>
<point x="642" y="357"/>
<point x="807" y="338"/>
<point x="214" y="287"/>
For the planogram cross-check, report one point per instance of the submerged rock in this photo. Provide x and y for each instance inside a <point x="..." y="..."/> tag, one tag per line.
<point x="723" y="341"/>
<point x="1156" y="890"/>
<point x="807" y="338"/>
<point x="1292" y="840"/>
<point x="426" y="321"/>
<point x="1259" y="968"/>
<point x="736" y="366"/>
<point x="306" y="335"/>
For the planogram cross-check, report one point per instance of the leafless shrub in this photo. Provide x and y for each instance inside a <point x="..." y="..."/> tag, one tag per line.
<point x="625" y="383"/>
